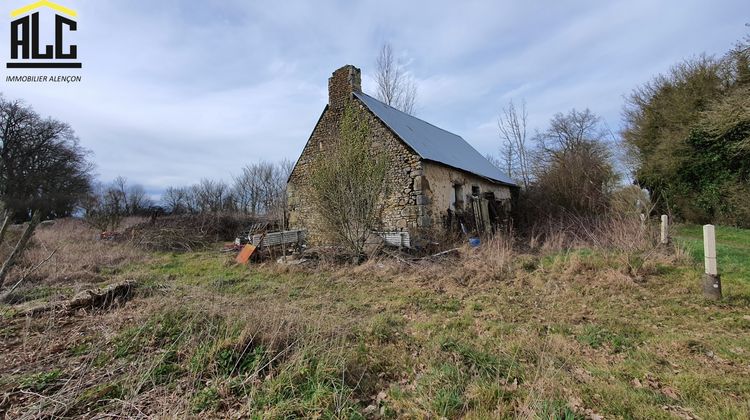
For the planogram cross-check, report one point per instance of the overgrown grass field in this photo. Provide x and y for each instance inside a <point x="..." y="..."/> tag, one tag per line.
<point x="491" y="333"/>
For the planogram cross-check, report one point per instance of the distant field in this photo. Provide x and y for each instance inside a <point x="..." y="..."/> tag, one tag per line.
<point x="732" y="248"/>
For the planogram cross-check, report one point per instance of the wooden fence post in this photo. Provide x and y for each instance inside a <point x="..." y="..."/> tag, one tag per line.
<point x="711" y="279"/>
<point x="20" y="246"/>
<point x="664" y="229"/>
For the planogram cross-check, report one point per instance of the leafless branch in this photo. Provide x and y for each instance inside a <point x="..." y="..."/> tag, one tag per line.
<point x="27" y="274"/>
<point x="395" y="87"/>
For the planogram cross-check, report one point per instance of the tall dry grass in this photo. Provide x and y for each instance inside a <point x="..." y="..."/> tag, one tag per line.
<point x="621" y="243"/>
<point x="630" y="246"/>
<point x="70" y="252"/>
<point x="177" y="357"/>
<point x="617" y="231"/>
<point x="635" y="242"/>
<point x="494" y="260"/>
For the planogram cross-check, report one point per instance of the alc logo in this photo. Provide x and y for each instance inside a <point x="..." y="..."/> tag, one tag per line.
<point x="25" y="39"/>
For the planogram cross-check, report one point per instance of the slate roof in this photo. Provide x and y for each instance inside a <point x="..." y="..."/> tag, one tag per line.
<point x="433" y="143"/>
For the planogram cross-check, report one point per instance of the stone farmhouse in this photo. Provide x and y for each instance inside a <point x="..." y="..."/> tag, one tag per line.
<point x="437" y="180"/>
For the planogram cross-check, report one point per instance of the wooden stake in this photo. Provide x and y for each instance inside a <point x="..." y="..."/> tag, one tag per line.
<point x="664" y="229"/>
<point x="7" y="215"/>
<point x="20" y="246"/>
<point x="711" y="279"/>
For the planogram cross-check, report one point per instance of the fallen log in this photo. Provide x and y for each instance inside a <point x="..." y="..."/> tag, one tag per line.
<point x="112" y="295"/>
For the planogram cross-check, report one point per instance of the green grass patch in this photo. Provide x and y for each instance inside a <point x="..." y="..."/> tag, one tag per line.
<point x="36" y="293"/>
<point x="386" y="327"/>
<point x="617" y="339"/>
<point x="430" y="302"/>
<point x="95" y="398"/>
<point x="41" y="381"/>
<point x="309" y="385"/>
<point x="732" y="249"/>
<point x="483" y="363"/>
<point x="80" y="349"/>
<point x="555" y="410"/>
<point x="442" y="387"/>
<point x="206" y="399"/>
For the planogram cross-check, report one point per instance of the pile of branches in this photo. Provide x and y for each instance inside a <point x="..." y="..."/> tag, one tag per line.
<point x="186" y="232"/>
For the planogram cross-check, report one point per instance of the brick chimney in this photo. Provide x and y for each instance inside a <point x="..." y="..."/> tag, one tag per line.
<point x="342" y="83"/>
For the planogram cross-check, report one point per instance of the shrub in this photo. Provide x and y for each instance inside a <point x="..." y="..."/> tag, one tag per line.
<point x="349" y="184"/>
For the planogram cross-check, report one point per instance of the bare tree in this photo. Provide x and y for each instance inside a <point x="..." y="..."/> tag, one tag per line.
<point x="261" y="188"/>
<point x="43" y="170"/>
<point x="567" y="131"/>
<point x="285" y="167"/>
<point x="137" y="201"/>
<point x="250" y="187"/>
<point x="106" y="206"/>
<point x="42" y="166"/>
<point x="114" y="201"/>
<point x="574" y="171"/>
<point x="246" y="190"/>
<point x="118" y="192"/>
<point x="175" y="200"/>
<point x="494" y="160"/>
<point x="514" y="151"/>
<point x="191" y="200"/>
<point x="101" y="212"/>
<point x="212" y="196"/>
<point x="395" y="87"/>
<point x="270" y="185"/>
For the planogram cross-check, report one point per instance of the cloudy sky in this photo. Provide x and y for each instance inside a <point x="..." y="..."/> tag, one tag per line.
<point x="174" y="91"/>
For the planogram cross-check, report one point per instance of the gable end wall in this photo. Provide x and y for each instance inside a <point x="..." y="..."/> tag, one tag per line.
<point x="405" y="208"/>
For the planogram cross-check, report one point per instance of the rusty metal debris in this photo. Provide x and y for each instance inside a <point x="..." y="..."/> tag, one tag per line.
<point x="247" y="252"/>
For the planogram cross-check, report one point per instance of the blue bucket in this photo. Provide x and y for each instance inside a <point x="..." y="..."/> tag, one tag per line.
<point x="474" y="242"/>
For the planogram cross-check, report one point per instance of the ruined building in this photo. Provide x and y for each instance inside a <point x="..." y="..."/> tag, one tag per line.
<point x="437" y="180"/>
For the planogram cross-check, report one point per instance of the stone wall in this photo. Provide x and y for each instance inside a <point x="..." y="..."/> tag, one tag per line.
<point x="403" y="207"/>
<point x="447" y="183"/>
